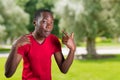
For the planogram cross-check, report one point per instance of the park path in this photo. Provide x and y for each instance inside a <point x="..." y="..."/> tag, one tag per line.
<point x="82" y="50"/>
<point x="100" y="50"/>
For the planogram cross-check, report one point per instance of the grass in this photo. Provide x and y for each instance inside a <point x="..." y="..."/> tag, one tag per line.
<point x="108" y="44"/>
<point x="83" y="44"/>
<point x="101" y="69"/>
<point x="16" y="76"/>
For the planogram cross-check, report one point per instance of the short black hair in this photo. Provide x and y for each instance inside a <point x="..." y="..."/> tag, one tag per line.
<point x="38" y="13"/>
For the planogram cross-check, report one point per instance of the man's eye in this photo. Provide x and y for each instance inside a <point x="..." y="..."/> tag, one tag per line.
<point x="52" y="22"/>
<point x="44" y="21"/>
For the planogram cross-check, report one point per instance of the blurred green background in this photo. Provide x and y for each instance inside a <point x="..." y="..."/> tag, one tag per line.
<point x="95" y="23"/>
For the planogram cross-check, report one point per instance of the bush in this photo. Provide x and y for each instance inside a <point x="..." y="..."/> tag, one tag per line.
<point x="4" y="50"/>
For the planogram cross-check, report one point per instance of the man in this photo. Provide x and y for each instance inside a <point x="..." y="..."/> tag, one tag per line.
<point x="37" y="48"/>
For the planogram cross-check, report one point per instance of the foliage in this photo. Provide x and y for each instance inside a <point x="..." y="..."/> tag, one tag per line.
<point x="2" y="32"/>
<point x="89" y="19"/>
<point x="4" y="50"/>
<point x="17" y="14"/>
<point x="30" y="10"/>
<point x="21" y="3"/>
<point x="13" y="19"/>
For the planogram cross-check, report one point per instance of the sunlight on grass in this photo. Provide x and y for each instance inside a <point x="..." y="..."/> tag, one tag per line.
<point x="106" y="69"/>
<point x="16" y="76"/>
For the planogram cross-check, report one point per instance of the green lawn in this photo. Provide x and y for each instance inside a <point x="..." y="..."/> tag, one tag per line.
<point x="105" y="69"/>
<point x="99" y="44"/>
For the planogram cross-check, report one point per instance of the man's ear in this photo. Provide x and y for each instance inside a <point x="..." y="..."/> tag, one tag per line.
<point x="34" y="22"/>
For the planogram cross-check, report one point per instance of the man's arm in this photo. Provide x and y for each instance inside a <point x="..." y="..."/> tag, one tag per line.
<point x="14" y="58"/>
<point x="12" y="62"/>
<point x="64" y="64"/>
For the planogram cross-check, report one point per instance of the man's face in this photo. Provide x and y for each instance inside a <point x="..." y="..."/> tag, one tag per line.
<point x="44" y="24"/>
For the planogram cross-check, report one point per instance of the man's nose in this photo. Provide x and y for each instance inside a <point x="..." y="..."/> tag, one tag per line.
<point x="49" y="27"/>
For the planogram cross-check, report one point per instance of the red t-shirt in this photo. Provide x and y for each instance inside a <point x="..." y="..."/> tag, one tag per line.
<point x="37" y="58"/>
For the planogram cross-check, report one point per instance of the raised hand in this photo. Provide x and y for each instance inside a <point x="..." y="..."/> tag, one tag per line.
<point x="21" y="41"/>
<point x="68" y="40"/>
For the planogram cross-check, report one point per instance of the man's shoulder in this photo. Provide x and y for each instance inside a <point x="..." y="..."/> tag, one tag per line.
<point x="28" y="35"/>
<point x="53" y="36"/>
<point x="25" y="35"/>
<point x="54" y="39"/>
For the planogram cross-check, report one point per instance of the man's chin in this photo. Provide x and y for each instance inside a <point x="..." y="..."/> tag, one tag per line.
<point x="47" y="35"/>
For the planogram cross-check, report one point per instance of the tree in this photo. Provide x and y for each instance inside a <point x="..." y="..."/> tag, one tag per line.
<point x="88" y="19"/>
<point x="30" y="8"/>
<point x="13" y="19"/>
<point x="2" y="32"/>
<point x="92" y="24"/>
<point x="113" y="12"/>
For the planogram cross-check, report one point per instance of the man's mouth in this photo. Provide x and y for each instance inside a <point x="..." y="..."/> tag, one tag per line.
<point x="47" y="32"/>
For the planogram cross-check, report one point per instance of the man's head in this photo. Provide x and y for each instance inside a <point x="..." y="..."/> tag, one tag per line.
<point x="43" y="22"/>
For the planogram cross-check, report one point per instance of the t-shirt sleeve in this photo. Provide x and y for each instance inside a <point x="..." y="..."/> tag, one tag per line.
<point x="57" y="45"/>
<point x="22" y="50"/>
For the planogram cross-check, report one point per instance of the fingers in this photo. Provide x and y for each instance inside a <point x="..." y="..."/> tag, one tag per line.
<point x="22" y="41"/>
<point x="65" y="33"/>
<point x="72" y="35"/>
<point x="64" y="39"/>
<point x="25" y="40"/>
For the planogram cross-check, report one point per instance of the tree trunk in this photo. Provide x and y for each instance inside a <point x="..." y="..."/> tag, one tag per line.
<point x="91" y="48"/>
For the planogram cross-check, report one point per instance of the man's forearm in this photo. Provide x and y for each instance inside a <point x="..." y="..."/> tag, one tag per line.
<point x="9" y="63"/>
<point x="68" y="61"/>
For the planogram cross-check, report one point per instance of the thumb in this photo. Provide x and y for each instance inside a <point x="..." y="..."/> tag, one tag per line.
<point x="72" y="35"/>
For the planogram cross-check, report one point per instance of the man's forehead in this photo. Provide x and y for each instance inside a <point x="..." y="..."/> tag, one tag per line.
<point x="46" y="15"/>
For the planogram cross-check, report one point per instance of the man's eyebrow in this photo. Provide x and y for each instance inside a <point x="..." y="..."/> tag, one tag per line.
<point x="44" y="19"/>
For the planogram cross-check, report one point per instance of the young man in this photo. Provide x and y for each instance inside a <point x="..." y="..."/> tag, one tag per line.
<point x="37" y="48"/>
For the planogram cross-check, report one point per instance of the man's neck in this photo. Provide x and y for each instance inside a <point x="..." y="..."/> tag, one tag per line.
<point x="38" y="38"/>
